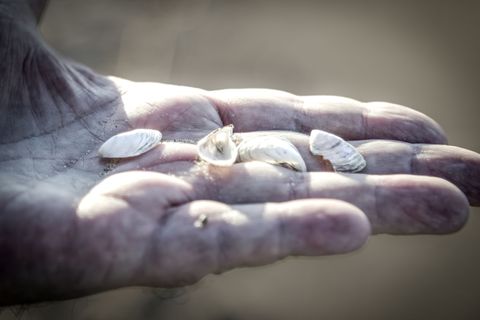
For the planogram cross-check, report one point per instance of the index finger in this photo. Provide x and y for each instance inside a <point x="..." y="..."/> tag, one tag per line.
<point x="262" y="109"/>
<point x="204" y="237"/>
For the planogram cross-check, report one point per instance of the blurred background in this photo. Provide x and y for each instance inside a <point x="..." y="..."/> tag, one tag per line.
<point x="423" y="54"/>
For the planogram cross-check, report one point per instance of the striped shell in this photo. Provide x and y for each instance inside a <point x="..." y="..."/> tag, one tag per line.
<point x="130" y="144"/>
<point x="343" y="156"/>
<point x="271" y="149"/>
<point x="218" y="148"/>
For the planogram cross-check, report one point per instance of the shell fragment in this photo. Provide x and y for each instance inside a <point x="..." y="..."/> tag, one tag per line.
<point x="131" y="143"/>
<point x="343" y="156"/>
<point x="218" y="147"/>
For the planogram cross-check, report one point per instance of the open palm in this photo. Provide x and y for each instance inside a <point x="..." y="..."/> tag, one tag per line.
<point x="73" y="223"/>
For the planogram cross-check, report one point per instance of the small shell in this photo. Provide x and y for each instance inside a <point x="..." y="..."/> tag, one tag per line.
<point x="271" y="149"/>
<point x="129" y="144"/>
<point x="343" y="156"/>
<point x="218" y="148"/>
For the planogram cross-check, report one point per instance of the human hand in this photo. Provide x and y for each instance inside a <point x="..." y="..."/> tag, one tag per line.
<point x="73" y="224"/>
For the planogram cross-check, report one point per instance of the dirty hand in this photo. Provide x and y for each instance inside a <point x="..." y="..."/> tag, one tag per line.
<point x="73" y="224"/>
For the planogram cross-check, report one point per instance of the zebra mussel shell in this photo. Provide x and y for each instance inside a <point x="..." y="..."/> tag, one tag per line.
<point x="222" y="148"/>
<point x="343" y="156"/>
<point x="130" y="144"/>
<point x="218" y="147"/>
<point x="271" y="149"/>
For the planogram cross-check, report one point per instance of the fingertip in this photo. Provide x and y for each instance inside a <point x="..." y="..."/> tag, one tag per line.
<point x="453" y="206"/>
<point x="354" y="229"/>
<point x="430" y="205"/>
<point x="457" y="165"/>
<point x="360" y="223"/>
<point x="331" y="227"/>
<point x="405" y="124"/>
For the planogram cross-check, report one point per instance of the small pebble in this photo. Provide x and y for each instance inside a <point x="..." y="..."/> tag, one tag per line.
<point x="201" y="221"/>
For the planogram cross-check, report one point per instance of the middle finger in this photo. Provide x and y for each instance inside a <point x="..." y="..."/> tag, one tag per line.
<point x="457" y="165"/>
<point x="396" y="204"/>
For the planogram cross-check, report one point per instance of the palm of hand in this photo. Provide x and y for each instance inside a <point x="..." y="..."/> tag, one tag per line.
<point x="165" y="219"/>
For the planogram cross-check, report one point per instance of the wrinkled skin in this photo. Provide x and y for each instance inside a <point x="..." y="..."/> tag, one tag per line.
<point x="73" y="224"/>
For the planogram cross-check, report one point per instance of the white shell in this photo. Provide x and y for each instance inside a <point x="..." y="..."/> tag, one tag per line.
<point x="275" y="150"/>
<point x="131" y="143"/>
<point x="343" y="156"/>
<point x="218" y="148"/>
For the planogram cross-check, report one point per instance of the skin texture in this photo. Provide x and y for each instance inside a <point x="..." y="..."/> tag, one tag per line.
<point x="73" y="224"/>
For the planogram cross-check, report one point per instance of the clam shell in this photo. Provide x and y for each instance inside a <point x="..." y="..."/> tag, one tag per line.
<point x="218" y="148"/>
<point x="343" y="156"/>
<point x="275" y="150"/>
<point x="129" y="144"/>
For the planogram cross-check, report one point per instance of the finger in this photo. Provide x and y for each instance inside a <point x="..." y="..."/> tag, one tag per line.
<point x="457" y="165"/>
<point x="397" y="204"/>
<point x="202" y="237"/>
<point x="261" y="109"/>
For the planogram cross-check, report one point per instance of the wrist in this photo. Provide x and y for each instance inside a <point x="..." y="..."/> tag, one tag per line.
<point x="43" y="88"/>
